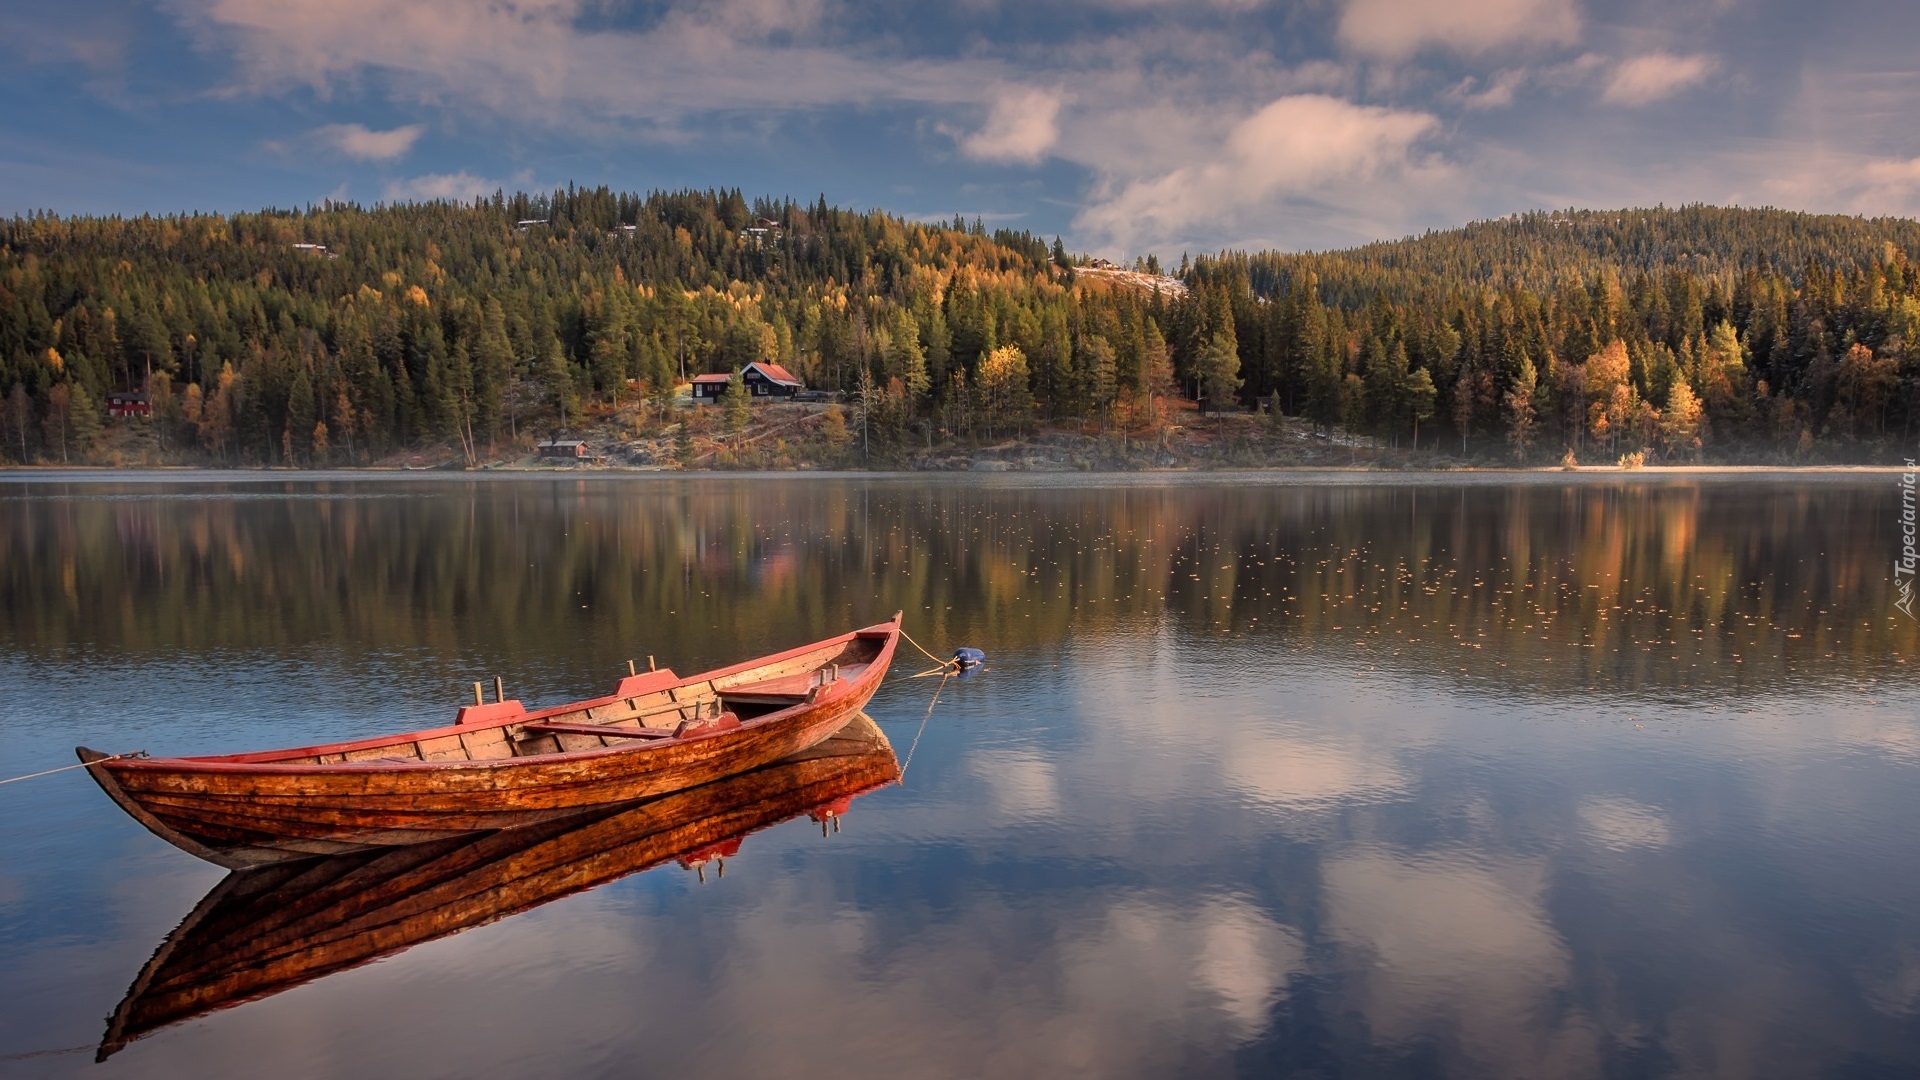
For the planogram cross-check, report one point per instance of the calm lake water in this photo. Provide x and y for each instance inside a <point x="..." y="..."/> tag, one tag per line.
<point x="1542" y="778"/>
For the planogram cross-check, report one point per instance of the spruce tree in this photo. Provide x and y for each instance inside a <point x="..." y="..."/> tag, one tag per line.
<point x="738" y="405"/>
<point x="1219" y="370"/>
<point x="84" y="421"/>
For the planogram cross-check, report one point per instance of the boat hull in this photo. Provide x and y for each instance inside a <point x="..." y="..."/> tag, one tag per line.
<point x="241" y="811"/>
<point x="263" y="930"/>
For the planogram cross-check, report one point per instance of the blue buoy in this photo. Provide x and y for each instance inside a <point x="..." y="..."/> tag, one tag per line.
<point x="966" y="659"/>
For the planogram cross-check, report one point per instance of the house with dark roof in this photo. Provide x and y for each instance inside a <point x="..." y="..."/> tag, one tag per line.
<point x="128" y="403"/>
<point x="571" y="449"/>
<point x="763" y="381"/>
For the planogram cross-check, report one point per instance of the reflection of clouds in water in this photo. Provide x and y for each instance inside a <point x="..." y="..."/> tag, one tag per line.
<point x="1144" y="724"/>
<point x="1290" y="772"/>
<point x="1896" y="990"/>
<point x="1790" y="730"/>
<point x="1122" y="988"/>
<point x="1461" y="946"/>
<point x="1223" y="956"/>
<point x="1622" y="824"/>
<point x="1243" y="957"/>
<point x="1895" y="739"/>
<point x="1021" y="783"/>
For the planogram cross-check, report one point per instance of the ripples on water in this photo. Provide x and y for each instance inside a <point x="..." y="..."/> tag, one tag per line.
<point x="1542" y="779"/>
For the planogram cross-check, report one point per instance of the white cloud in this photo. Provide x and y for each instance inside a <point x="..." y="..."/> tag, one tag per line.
<point x="1623" y="824"/>
<point x="1146" y="5"/>
<point x="1397" y="29"/>
<point x="1494" y="93"/>
<point x="1895" y="176"/>
<point x="1022" y="127"/>
<point x="365" y="144"/>
<point x="546" y="60"/>
<point x="462" y="185"/>
<point x="1643" y="80"/>
<point x="1304" y="144"/>
<point x="1789" y="175"/>
<point x="1843" y="144"/>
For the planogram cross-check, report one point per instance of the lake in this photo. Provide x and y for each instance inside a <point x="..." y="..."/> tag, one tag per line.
<point x="1346" y="775"/>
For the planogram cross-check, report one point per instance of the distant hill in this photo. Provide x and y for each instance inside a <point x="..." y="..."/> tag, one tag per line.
<point x="1540" y="249"/>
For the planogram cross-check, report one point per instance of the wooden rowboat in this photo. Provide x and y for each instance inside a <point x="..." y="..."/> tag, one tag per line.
<point x="270" y="928"/>
<point x="499" y="765"/>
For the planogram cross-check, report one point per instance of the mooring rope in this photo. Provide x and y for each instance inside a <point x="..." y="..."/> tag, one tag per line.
<point x="47" y="1053"/>
<point x="82" y="765"/>
<point x="923" y="726"/>
<point x="917" y="645"/>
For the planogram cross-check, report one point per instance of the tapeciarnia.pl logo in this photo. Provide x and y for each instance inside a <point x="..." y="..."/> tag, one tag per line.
<point x="1903" y="567"/>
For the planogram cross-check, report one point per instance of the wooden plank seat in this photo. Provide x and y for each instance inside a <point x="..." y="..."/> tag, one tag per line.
<point x="791" y="690"/>
<point x="556" y="727"/>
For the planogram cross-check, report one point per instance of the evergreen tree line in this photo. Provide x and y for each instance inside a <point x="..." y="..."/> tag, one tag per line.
<point x="337" y="333"/>
<point x="1747" y="360"/>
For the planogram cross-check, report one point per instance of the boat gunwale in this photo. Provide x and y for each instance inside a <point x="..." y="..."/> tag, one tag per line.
<point x="247" y="762"/>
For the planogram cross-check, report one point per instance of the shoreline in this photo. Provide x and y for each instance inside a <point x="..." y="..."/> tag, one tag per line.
<point x="1276" y="476"/>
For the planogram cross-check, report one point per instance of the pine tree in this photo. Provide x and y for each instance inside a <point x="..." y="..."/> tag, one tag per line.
<point x="301" y="413"/>
<point x="556" y="379"/>
<point x="1353" y="406"/>
<point x="905" y="359"/>
<point x="1521" y="426"/>
<point x="1098" y="374"/>
<point x="20" y="416"/>
<point x="683" y="444"/>
<point x="57" y="419"/>
<point x="737" y="404"/>
<point x="1219" y="370"/>
<point x="1420" y="397"/>
<point x="1156" y="370"/>
<point x="84" y="421"/>
<point x="1463" y="406"/>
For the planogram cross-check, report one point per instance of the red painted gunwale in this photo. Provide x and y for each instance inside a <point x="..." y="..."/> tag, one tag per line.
<point x="268" y="761"/>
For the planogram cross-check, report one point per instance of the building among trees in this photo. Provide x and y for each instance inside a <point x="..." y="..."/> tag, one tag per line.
<point x="760" y="379"/>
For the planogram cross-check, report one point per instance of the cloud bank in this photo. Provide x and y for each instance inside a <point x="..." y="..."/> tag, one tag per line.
<point x="1644" y="80"/>
<point x="361" y="143"/>
<point x="1128" y="125"/>
<point x="1296" y="145"/>
<point x="1397" y="29"/>
<point x="1022" y="128"/>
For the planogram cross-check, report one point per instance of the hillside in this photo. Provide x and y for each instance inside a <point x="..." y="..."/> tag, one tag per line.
<point x="1540" y="249"/>
<point x="341" y="335"/>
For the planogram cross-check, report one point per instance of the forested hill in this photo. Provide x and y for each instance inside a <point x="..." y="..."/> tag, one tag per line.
<point x="339" y="334"/>
<point x="1539" y="249"/>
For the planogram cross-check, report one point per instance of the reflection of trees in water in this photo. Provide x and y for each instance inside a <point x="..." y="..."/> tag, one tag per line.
<point x="1630" y="585"/>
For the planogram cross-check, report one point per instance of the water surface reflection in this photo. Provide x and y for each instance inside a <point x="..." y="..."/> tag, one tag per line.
<point x="1538" y="779"/>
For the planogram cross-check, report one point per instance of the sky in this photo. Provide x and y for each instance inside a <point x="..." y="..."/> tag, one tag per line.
<point x="1126" y="127"/>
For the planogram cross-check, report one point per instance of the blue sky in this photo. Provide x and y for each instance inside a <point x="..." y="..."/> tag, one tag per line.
<point x="1125" y="126"/>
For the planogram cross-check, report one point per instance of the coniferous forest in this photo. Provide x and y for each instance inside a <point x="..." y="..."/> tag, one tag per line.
<point x="339" y="335"/>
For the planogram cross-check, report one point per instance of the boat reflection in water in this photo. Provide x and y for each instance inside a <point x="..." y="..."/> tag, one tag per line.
<point x="263" y="930"/>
